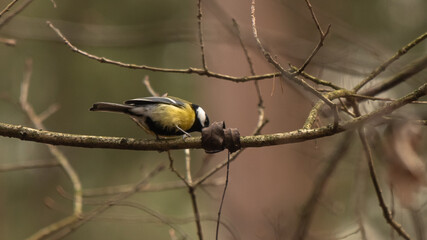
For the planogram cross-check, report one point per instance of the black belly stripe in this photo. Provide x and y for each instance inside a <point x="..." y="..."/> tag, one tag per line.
<point x="159" y="130"/>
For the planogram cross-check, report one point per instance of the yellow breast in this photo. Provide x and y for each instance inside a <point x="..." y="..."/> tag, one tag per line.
<point x="170" y="116"/>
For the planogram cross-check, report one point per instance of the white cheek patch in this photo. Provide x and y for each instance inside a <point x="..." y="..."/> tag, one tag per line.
<point x="201" y="115"/>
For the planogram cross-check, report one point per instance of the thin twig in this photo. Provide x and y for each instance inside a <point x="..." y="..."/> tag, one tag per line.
<point x="188" y="166"/>
<point x="72" y="226"/>
<point x="386" y="212"/>
<point x="201" y="72"/>
<point x="261" y="107"/>
<point x="173" y="169"/>
<point x="60" y="157"/>
<point x="7" y="8"/>
<point x="113" y="190"/>
<point x="348" y="234"/>
<point x="28" y="165"/>
<point x="200" y="30"/>
<point x="384" y="66"/>
<point x="322" y="38"/>
<point x="49" y="111"/>
<point x="8" y="41"/>
<point x="196" y="211"/>
<point x="191" y="191"/>
<point x="150" y="89"/>
<point x="319" y="184"/>
<point x="9" y="17"/>
<point x="316" y="80"/>
<point x="408" y="71"/>
<point x="227" y="174"/>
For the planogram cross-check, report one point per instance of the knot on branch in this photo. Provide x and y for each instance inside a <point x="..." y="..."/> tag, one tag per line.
<point x="216" y="138"/>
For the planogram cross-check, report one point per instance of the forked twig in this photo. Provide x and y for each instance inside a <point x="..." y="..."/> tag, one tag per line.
<point x="60" y="157"/>
<point x="290" y="75"/>
<point x="322" y="38"/>
<point x="73" y="225"/>
<point x="191" y="191"/>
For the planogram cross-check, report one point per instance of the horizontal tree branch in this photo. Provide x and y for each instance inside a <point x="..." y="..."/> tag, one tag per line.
<point x="300" y="135"/>
<point x="191" y="70"/>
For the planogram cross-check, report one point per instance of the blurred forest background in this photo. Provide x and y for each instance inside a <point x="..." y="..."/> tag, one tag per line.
<point x="268" y="186"/>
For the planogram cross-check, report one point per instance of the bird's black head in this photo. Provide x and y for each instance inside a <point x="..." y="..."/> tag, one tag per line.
<point x="201" y="121"/>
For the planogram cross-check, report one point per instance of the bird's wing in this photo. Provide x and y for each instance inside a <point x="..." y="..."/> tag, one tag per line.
<point x="151" y="100"/>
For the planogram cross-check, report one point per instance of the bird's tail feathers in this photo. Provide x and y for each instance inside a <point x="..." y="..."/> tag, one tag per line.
<point x="110" y="107"/>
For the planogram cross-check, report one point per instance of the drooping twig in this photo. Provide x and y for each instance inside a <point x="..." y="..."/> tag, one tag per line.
<point x="227" y="174"/>
<point x="191" y="191"/>
<point x="199" y="71"/>
<point x="319" y="185"/>
<point x="384" y="66"/>
<point x="322" y="38"/>
<point x="386" y="212"/>
<point x="196" y="211"/>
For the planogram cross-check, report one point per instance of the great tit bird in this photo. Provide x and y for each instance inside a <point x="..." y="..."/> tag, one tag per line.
<point x="160" y="116"/>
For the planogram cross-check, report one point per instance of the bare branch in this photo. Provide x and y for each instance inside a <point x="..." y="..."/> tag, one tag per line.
<point x="384" y="66"/>
<point x="95" y="192"/>
<point x="16" y="12"/>
<point x="201" y="72"/>
<point x="290" y="75"/>
<point x="188" y="166"/>
<point x="407" y="72"/>
<point x="60" y="157"/>
<point x="28" y="165"/>
<point x="386" y="212"/>
<point x="191" y="191"/>
<point x="7" y="8"/>
<point x="71" y="226"/>
<point x="319" y="184"/>
<point x="8" y="41"/>
<point x="316" y="80"/>
<point x="49" y="111"/>
<point x="227" y="174"/>
<point x="261" y="108"/>
<point x="322" y="38"/>
<point x="200" y="30"/>
<point x="300" y="135"/>
<point x="147" y="84"/>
